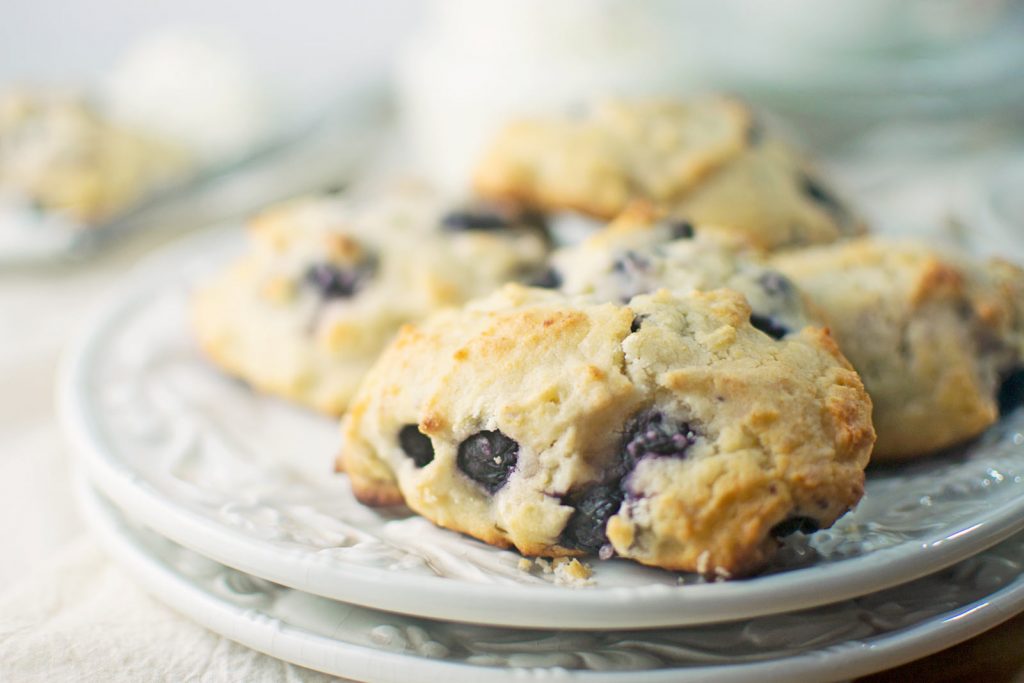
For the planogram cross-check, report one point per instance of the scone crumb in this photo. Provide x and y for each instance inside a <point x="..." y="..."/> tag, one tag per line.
<point x="566" y="570"/>
<point x="703" y="561"/>
<point x="571" y="571"/>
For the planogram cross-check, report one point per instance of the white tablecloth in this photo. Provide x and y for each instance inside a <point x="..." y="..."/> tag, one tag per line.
<point x="67" y="613"/>
<point x="77" y="617"/>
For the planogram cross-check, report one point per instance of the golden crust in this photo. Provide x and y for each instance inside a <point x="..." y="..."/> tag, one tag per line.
<point x="375" y="493"/>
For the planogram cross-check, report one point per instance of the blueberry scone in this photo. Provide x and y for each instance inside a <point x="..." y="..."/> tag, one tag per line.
<point x="932" y="335"/>
<point x="325" y="284"/>
<point x="667" y="430"/>
<point x="639" y="253"/>
<point x="57" y="153"/>
<point x="706" y="161"/>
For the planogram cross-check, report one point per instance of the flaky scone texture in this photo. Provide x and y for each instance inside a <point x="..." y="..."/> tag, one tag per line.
<point x="932" y="334"/>
<point x="667" y="430"/>
<point x="325" y="283"/>
<point x="704" y="160"/>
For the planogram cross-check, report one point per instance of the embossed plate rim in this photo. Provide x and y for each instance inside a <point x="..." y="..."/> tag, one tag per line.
<point x="278" y="638"/>
<point x="459" y="600"/>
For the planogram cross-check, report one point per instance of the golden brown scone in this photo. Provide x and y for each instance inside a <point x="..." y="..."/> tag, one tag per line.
<point x="932" y="335"/>
<point x="703" y="160"/>
<point x="667" y="430"/>
<point x="326" y="283"/>
<point x="59" y="154"/>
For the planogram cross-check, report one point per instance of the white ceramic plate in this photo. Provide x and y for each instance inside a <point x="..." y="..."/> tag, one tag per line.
<point x="844" y="640"/>
<point x="247" y="481"/>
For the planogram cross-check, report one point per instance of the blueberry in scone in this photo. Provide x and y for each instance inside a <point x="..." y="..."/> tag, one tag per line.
<point x="639" y="252"/>
<point x="666" y="429"/>
<point x="326" y="282"/>
<point x="695" y="160"/>
<point x="58" y="153"/>
<point x="934" y="335"/>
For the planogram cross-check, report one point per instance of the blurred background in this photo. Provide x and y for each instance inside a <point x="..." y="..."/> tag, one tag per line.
<point x="303" y="51"/>
<point x="916" y="105"/>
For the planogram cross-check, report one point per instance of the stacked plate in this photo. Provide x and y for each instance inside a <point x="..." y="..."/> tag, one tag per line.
<point x="224" y="504"/>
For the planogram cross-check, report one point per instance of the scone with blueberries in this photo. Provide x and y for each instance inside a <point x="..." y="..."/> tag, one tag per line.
<point x="705" y="160"/>
<point x="326" y="282"/>
<point x="58" y="153"/>
<point x="933" y="335"/>
<point x="666" y="429"/>
<point x="639" y="252"/>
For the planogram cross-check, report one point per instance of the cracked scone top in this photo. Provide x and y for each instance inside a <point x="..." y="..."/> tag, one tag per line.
<point x="639" y="253"/>
<point x="933" y="335"/>
<point x="326" y="282"/>
<point x="704" y="160"/>
<point x="667" y="430"/>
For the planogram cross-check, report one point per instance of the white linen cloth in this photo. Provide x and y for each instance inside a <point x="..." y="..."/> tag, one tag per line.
<point x="67" y="612"/>
<point x="82" y="619"/>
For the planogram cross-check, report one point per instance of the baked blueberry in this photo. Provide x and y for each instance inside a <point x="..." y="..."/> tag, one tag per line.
<point x="488" y="458"/>
<point x="549" y="279"/>
<point x="1011" y="392"/>
<point x="631" y="262"/>
<point x="681" y="230"/>
<point x="336" y="282"/>
<point x="791" y="525"/>
<point x="638" y="320"/>
<point x="655" y="434"/>
<point x="416" y="445"/>
<point x="474" y="219"/>
<point x="818" y="193"/>
<point x="776" y="284"/>
<point x="768" y="325"/>
<point x="632" y="272"/>
<point x="586" y="527"/>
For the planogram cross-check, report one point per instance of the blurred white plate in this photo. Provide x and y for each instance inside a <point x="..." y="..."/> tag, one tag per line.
<point x="248" y="481"/>
<point x="844" y="640"/>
